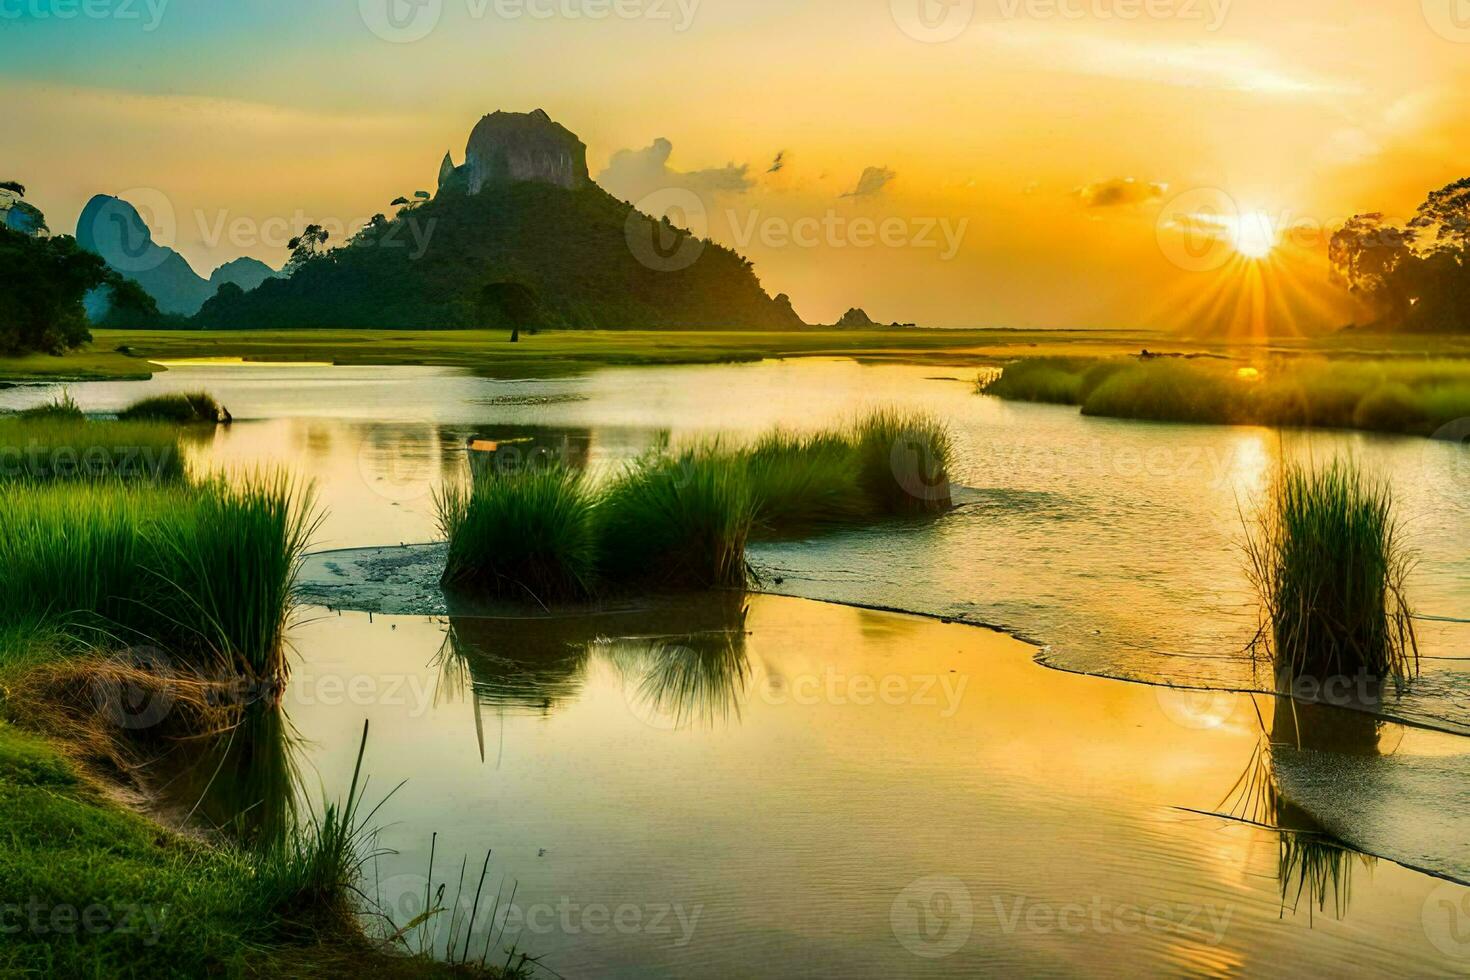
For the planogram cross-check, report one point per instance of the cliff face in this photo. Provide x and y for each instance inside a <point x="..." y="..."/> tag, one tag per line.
<point x="506" y="147"/>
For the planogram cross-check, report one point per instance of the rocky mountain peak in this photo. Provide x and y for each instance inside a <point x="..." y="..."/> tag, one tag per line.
<point x="506" y="147"/>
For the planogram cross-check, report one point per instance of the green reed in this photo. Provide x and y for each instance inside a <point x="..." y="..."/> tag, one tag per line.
<point x="204" y="571"/>
<point x="1327" y="558"/>
<point x="683" y="519"/>
<point x="64" y="408"/>
<point x="519" y="533"/>
<point x="678" y="521"/>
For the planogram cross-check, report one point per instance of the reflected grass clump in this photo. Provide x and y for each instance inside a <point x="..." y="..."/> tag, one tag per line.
<point x="530" y="530"/>
<point x="204" y="572"/>
<point x="1396" y="396"/>
<point x="59" y="448"/>
<point x="679" y="521"/>
<point x="192" y="408"/>
<point x="1327" y="559"/>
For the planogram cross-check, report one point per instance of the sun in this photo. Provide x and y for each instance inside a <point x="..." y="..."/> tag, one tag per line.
<point x="1252" y="235"/>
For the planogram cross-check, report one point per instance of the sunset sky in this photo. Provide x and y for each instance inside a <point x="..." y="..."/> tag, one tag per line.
<point x="1049" y="163"/>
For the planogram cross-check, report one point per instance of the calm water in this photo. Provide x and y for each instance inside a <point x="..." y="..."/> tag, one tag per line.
<point x="1114" y="544"/>
<point x="1010" y="818"/>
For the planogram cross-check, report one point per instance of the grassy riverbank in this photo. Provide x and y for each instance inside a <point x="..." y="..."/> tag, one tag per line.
<point x="142" y="612"/>
<point x="88" y="887"/>
<point x="119" y="354"/>
<point x="1407" y="396"/>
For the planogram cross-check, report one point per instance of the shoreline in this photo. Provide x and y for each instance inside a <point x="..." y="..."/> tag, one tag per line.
<point x="117" y="355"/>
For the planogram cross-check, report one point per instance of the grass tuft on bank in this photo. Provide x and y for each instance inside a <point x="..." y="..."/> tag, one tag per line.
<point x="63" y="408"/>
<point x="202" y="571"/>
<point x="1328" y="561"/>
<point x="1413" y="397"/>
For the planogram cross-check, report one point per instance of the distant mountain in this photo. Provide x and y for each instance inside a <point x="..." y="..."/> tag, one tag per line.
<point x="517" y="236"/>
<point x="246" y="273"/>
<point x="113" y="229"/>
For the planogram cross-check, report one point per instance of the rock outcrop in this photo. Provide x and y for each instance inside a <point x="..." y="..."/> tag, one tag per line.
<point x="506" y="147"/>
<point x="856" y="319"/>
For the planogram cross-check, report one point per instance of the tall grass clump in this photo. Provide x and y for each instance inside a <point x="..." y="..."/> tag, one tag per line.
<point x="903" y="461"/>
<point x="683" y="519"/>
<point x="204" y="572"/>
<point x="59" y="448"/>
<point x="680" y="521"/>
<point x="1328" y="561"/>
<point x="315" y="870"/>
<point x="63" y="408"/>
<point x="525" y="531"/>
<point x="800" y="482"/>
<point x="181" y="409"/>
<point x="224" y="567"/>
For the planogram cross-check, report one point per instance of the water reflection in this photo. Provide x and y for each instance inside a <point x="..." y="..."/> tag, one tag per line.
<point x="679" y="681"/>
<point x="682" y="659"/>
<point x="1314" y="869"/>
<point x="243" y="782"/>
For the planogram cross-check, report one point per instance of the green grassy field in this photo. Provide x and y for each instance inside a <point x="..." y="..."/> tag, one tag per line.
<point x="562" y="352"/>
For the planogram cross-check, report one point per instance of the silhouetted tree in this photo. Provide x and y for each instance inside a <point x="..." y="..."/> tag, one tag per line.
<point x="46" y="280"/>
<point x="1365" y="257"/>
<point x="1417" y="277"/>
<point x="1445" y="217"/>
<point x="307" y="246"/>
